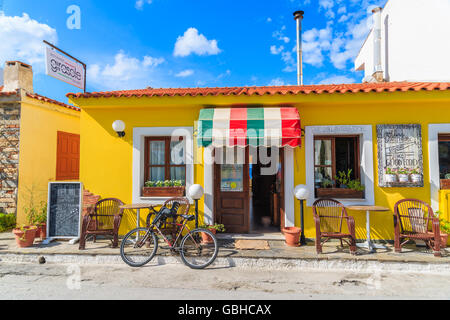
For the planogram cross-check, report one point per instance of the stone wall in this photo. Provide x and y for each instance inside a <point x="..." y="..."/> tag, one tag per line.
<point x="9" y="156"/>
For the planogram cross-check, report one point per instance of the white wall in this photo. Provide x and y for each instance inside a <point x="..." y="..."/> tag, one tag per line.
<point x="415" y="42"/>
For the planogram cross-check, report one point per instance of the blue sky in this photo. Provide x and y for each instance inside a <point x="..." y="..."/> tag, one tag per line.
<point x="131" y="44"/>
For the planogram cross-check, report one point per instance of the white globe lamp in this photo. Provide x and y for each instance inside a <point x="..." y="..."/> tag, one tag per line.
<point x="119" y="127"/>
<point x="196" y="192"/>
<point x="302" y="193"/>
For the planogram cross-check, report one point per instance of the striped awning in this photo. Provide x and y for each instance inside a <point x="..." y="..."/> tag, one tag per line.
<point x="270" y="127"/>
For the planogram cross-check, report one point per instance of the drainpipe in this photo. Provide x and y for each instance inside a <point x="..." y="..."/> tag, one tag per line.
<point x="378" y="68"/>
<point x="298" y="16"/>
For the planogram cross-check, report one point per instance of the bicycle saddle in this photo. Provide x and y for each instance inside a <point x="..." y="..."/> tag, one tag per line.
<point x="187" y="217"/>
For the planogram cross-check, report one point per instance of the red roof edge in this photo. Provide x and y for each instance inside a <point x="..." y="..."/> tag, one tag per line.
<point x="271" y="90"/>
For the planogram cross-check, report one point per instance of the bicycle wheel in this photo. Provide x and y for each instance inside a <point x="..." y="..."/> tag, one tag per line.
<point x="199" y="249"/>
<point x="138" y="247"/>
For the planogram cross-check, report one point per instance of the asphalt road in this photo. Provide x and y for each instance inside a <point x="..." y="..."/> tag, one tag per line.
<point x="73" y="282"/>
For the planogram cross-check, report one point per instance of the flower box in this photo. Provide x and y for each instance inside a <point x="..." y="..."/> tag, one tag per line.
<point x="173" y="192"/>
<point x="445" y="184"/>
<point x="339" y="193"/>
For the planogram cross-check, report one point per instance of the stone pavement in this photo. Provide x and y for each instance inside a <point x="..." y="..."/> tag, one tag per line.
<point x="278" y="255"/>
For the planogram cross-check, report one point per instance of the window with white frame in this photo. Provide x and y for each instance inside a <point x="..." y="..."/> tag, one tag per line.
<point x="339" y="163"/>
<point x="162" y="154"/>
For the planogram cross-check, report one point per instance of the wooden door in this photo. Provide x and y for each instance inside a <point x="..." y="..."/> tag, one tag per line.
<point x="68" y="157"/>
<point x="232" y="196"/>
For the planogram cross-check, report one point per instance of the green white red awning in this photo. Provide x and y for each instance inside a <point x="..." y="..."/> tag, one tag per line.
<point x="231" y="127"/>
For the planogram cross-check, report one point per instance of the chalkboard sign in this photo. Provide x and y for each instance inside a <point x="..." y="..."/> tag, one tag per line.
<point x="64" y="210"/>
<point x="400" y="157"/>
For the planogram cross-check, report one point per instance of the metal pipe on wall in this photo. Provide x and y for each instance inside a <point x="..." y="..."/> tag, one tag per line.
<point x="298" y="16"/>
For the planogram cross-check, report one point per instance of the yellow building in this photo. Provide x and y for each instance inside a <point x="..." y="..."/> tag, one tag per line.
<point x="370" y="129"/>
<point x="39" y="142"/>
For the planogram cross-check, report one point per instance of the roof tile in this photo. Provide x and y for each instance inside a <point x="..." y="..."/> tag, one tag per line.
<point x="271" y="90"/>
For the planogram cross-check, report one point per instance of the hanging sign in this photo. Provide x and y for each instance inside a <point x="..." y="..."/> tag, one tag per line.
<point x="400" y="157"/>
<point x="65" y="69"/>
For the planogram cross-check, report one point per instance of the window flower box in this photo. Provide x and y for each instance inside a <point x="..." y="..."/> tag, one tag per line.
<point x="445" y="184"/>
<point x="172" y="192"/>
<point x="339" y="193"/>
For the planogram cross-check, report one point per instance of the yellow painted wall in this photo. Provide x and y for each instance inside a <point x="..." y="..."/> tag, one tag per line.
<point x="106" y="162"/>
<point x="40" y="122"/>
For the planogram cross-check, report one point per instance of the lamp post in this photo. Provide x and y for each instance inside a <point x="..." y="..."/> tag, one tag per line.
<point x="302" y="193"/>
<point x="196" y="192"/>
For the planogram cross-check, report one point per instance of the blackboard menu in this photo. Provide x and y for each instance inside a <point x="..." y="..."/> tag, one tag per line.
<point x="400" y="157"/>
<point x="64" y="210"/>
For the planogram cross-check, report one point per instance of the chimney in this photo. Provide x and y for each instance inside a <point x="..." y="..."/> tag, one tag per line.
<point x="298" y="16"/>
<point x="17" y="75"/>
<point x="378" y="73"/>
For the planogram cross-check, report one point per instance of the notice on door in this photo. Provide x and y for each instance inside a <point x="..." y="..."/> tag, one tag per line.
<point x="232" y="178"/>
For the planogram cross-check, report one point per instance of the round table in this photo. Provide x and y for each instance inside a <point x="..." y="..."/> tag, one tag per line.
<point x="369" y="244"/>
<point x="138" y="207"/>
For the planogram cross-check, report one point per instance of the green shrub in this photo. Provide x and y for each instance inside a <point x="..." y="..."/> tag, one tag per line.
<point x="7" y="222"/>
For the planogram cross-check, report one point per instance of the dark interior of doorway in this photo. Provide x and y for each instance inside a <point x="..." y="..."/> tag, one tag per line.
<point x="266" y="189"/>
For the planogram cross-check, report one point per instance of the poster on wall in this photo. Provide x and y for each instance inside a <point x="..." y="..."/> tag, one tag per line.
<point x="400" y="157"/>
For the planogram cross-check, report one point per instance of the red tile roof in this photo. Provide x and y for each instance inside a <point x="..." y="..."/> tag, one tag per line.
<point x="282" y="90"/>
<point x="45" y="99"/>
<point x="9" y="93"/>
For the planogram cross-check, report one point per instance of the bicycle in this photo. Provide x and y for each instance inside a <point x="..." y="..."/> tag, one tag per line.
<point x="198" y="248"/>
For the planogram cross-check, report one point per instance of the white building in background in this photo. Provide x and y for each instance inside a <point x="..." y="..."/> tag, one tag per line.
<point x="409" y="41"/>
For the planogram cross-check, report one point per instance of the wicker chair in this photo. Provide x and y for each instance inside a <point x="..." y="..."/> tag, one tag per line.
<point x="104" y="219"/>
<point x="329" y="217"/>
<point x="412" y="221"/>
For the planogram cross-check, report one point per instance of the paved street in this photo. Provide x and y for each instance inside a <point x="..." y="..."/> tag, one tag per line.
<point x="33" y="281"/>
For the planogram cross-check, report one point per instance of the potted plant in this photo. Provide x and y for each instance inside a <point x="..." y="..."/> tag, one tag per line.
<point x="445" y="183"/>
<point x="168" y="188"/>
<point x="214" y="229"/>
<point x="445" y="229"/>
<point x="403" y="175"/>
<point x="25" y="236"/>
<point x="416" y="176"/>
<point x="37" y="217"/>
<point x="41" y="221"/>
<point x="390" y="175"/>
<point x="348" y="188"/>
<point x="292" y="236"/>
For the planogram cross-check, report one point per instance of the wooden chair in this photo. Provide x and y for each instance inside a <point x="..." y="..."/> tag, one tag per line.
<point x="329" y="217"/>
<point x="104" y="219"/>
<point x="412" y="221"/>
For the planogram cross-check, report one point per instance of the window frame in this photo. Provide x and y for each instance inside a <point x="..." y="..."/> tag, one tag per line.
<point x="366" y="159"/>
<point x="167" y="163"/>
<point x="356" y="170"/>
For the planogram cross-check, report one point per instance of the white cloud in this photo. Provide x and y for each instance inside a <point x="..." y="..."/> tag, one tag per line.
<point x="315" y="44"/>
<point x="269" y="19"/>
<point x="21" y="39"/>
<point x="194" y="43"/>
<point x="337" y="80"/>
<point x="279" y="35"/>
<point x="276" y="50"/>
<point x="277" y="82"/>
<point x="125" y="73"/>
<point x="140" y="4"/>
<point x="185" y="73"/>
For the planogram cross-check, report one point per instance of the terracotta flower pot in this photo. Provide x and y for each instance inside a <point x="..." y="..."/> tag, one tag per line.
<point x="206" y="238"/>
<point x="292" y="236"/>
<point x="41" y="231"/>
<point x="25" y="239"/>
<point x="444" y="240"/>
